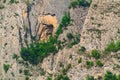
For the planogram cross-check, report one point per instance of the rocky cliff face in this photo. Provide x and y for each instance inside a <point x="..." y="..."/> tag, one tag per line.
<point x="23" y="22"/>
<point x="26" y="21"/>
<point x="101" y="25"/>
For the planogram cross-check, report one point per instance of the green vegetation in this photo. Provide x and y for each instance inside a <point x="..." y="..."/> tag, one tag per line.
<point x="99" y="63"/>
<point x="6" y="67"/>
<point x="70" y="56"/>
<point x="26" y="72"/>
<point x="13" y="1"/>
<point x="90" y="77"/>
<point x="61" y="64"/>
<point x="1" y="6"/>
<point x="96" y="54"/>
<point x="62" y="77"/>
<point x="26" y="78"/>
<point x="36" y="52"/>
<point x="84" y="3"/>
<point x="74" y="41"/>
<point x="49" y="78"/>
<point x="70" y="36"/>
<point x="113" y="47"/>
<point x="65" y="70"/>
<point x="89" y="64"/>
<point x="15" y="56"/>
<point x="4" y="1"/>
<point x="42" y="71"/>
<point x="79" y="60"/>
<point x="110" y="76"/>
<point x="64" y="23"/>
<point x="82" y="49"/>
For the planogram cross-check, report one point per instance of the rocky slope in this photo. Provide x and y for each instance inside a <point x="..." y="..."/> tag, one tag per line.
<point x="25" y="21"/>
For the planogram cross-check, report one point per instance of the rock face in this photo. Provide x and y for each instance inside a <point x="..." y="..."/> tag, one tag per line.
<point x="25" y="22"/>
<point x="101" y="25"/>
<point x="20" y="24"/>
<point x="47" y="27"/>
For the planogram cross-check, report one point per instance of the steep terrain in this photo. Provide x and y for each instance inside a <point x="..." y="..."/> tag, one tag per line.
<point x="92" y="27"/>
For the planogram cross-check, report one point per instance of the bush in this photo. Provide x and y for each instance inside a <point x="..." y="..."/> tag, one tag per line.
<point x="73" y="4"/>
<point x="1" y="6"/>
<point x="84" y="3"/>
<point x="110" y="76"/>
<point x="79" y="60"/>
<point x="36" y="52"/>
<point x="64" y="23"/>
<point x="113" y="47"/>
<point x="65" y="70"/>
<point x="95" y="53"/>
<point x="26" y="72"/>
<point x="62" y="77"/>
<point x="82" y="49"/>
<point x="89" y="64"/>
<point x="70" y="36"/>
<point x="49" y="78"/>
<point x="90" y="77"/>
<point x="74" y="41"/>
<point x="15" y="56"/>
<point x="99" y="63"/>
<point x="26" y="78"/>
<point x="6" y="67"/>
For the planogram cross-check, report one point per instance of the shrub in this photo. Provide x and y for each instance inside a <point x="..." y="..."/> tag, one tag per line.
<point x="64" y="23"/>
<point x="79" y="60"/>
<point x="49" y="78"/>
<point x="118" y="45"/>
<point x="95" y="53"/>
<point x="73" y="4"/>
<point x="110" y="76"/>
<point x="82" y="49"/>
<point x="62" y="77"/>
<point x="119" y="77"/>
<point x="61" y="64"/>
<point x="15" y="56"/>
<point x="74" y="41"/>
<point x="70" y="56"/>
<point x="26" y="78"/>
<point x="70" y="36"/>
<point x="84" y="3"/>
<point x="99" y="63"/>
<point x="6" y="67"/>
<point x="1" y="6"/>
<point x="65" y="70"/>
<point x="42" y="71"/>
<point x="36" y="52"/>
<point x="113" y="47"/>
<point x="89" y="64"/>
<point x="89" y="77"/>
<point x="13" y="1"/>
<point x="26" y="72"/>
<point x="68" y="66"/>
